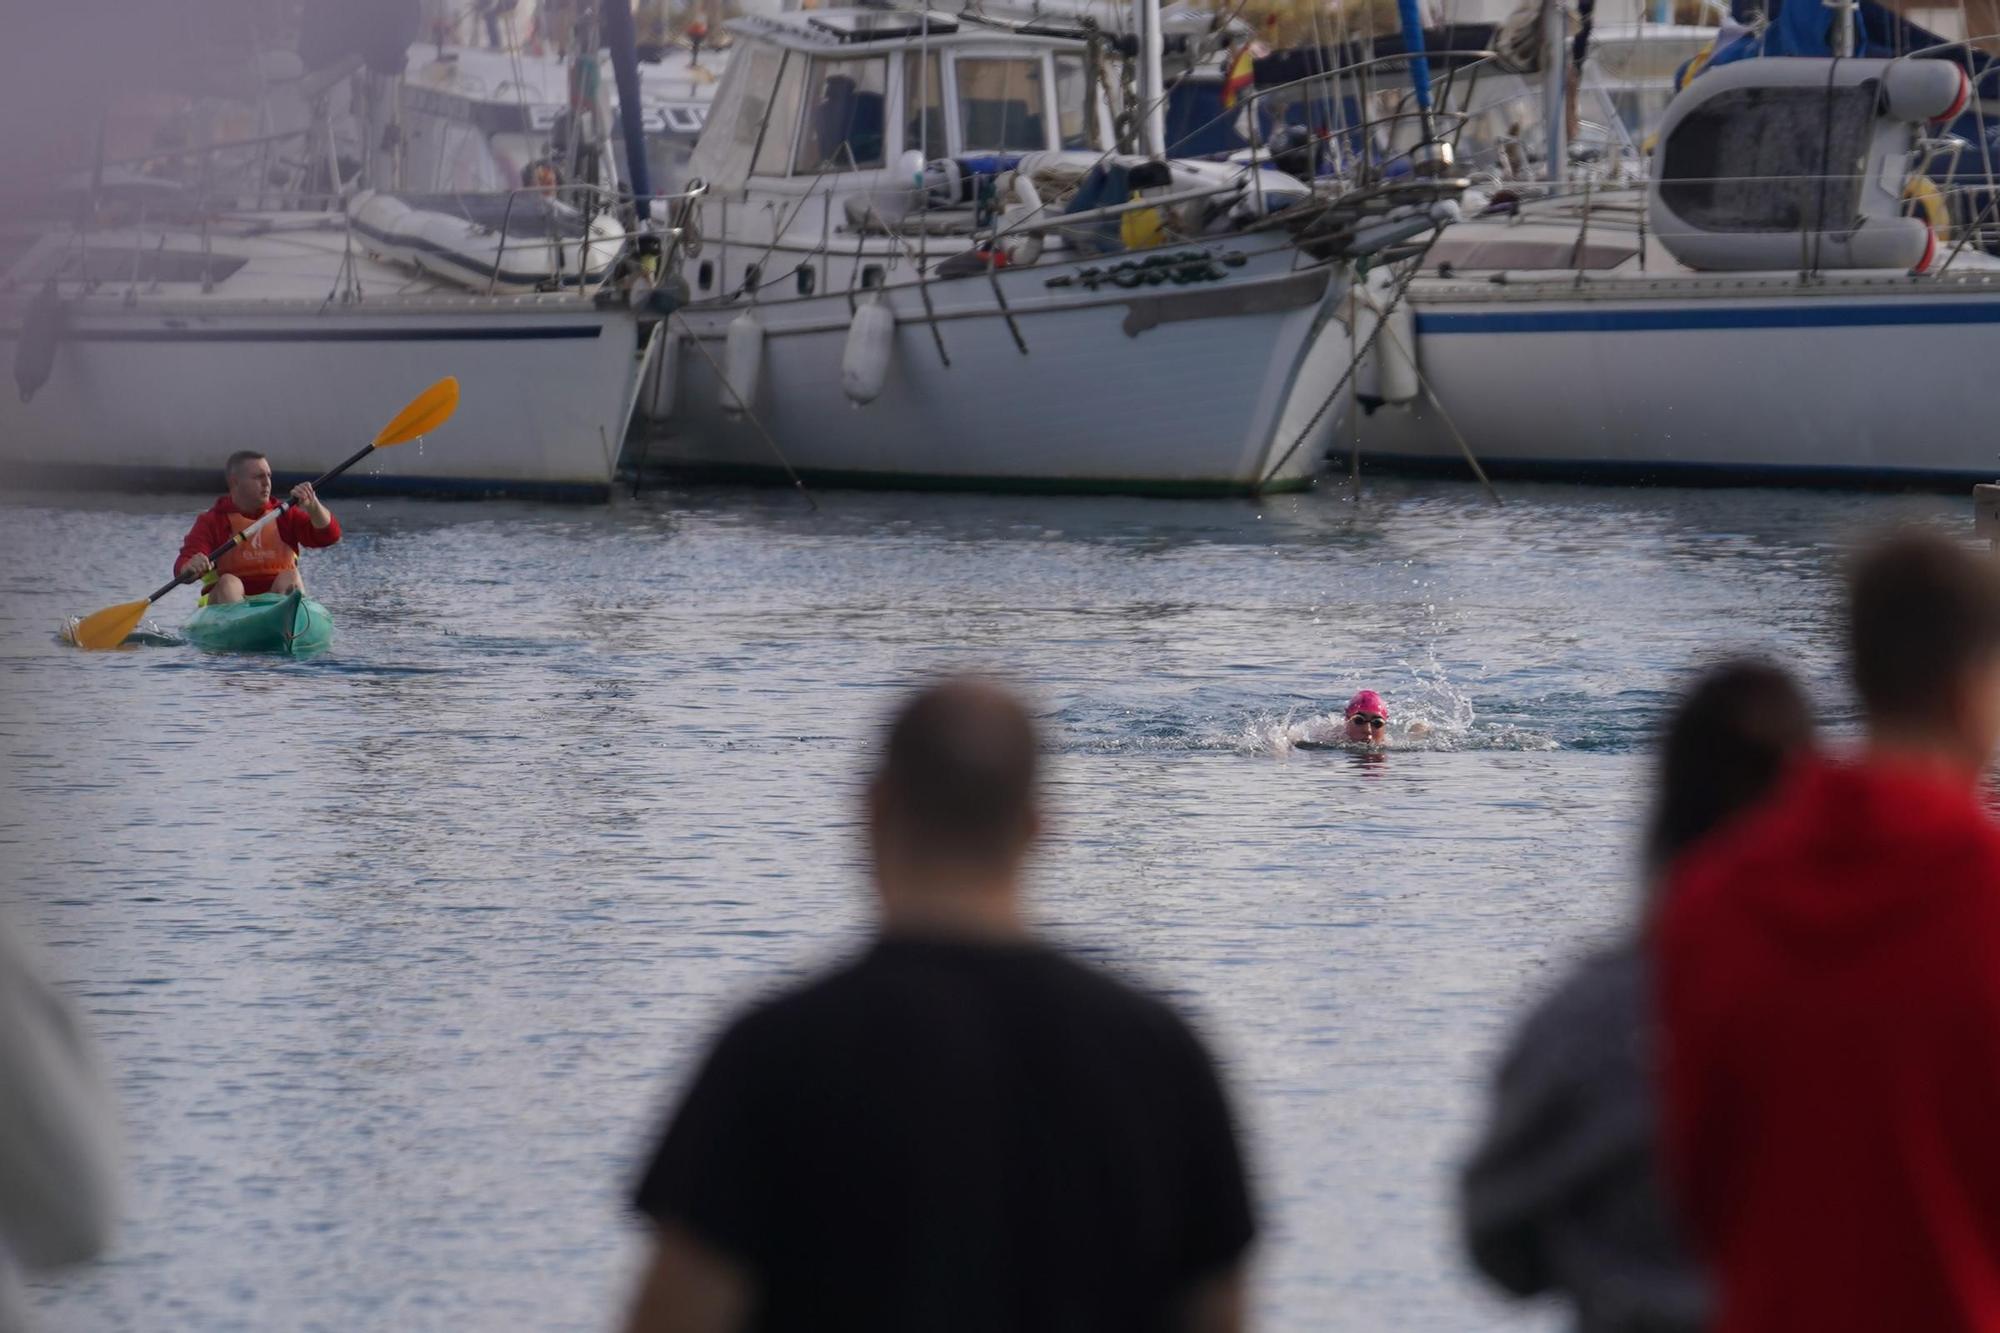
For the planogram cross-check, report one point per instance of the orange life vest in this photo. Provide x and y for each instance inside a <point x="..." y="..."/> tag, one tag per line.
<point x="264" y="556"/>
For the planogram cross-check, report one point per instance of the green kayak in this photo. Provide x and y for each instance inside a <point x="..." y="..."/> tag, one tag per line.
<point x="271" y="622"/>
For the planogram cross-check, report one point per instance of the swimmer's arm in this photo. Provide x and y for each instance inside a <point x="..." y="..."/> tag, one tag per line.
<point x="1420" y="728"/>
<point x="690" y="1288"/>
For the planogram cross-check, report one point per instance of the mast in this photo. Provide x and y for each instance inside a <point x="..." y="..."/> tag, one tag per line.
<point x="1555" y="72"/>
<point x="1152" y="125"/>
<point x="618" y="35"/>
<point x="1420" y="63"/>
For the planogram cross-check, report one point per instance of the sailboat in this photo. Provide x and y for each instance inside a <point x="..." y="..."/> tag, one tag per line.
<point x="923" y="261"/>
<point x="1802" y="292"/>
<point x="154" y="324"/>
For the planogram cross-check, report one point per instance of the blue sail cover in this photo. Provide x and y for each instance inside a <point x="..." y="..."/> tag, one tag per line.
<point x="1331" y="118"/>
<point x="1806" y="27"/>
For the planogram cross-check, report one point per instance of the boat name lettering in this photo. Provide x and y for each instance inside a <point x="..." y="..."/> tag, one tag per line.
<point x="1179" y="268"/>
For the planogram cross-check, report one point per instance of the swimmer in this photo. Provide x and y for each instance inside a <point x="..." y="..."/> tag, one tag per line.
<point x="1364" y="722"/>
<point x="1366" y="719"/>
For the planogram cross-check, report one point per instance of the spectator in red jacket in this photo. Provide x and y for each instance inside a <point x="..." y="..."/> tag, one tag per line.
<point x="1829" y="981"/>
<point x="269" y="561"/>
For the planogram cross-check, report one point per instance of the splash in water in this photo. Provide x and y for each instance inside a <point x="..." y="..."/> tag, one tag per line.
<point x="1428" y="713"/>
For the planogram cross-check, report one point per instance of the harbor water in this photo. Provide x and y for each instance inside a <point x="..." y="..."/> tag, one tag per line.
<point x="398" y="954"/>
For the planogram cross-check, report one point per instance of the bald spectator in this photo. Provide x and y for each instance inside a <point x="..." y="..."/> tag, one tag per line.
<point x="962" y="1128"/>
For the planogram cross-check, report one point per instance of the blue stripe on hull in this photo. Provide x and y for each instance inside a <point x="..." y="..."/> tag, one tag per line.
<point x="1811" y="314"/>
<point x="207" y="481"/>
<point x="373" y="335"/>
<point x="1658" y="473"/>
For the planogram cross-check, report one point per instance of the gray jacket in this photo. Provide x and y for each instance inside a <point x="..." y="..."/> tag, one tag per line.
<point x="58" y="1139"/>
<point x="1563" y="1193"/>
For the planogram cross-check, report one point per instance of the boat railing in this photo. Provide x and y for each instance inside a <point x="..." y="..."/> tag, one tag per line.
<point x="591" y="202"/>
<point x="1962" y="214"/>
<point x="1334" y="85"/>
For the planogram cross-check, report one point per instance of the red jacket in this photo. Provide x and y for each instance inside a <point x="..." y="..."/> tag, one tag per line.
<point x="1830" y="1001"/>
<point x="258" y="568"/>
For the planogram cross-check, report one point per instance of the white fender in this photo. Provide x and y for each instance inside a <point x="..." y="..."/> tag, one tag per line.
<point x="1368" y="370"/>
<point x="1396" y="352"/>
<point x="864" y="361"/>
<point x="666" y="396"/>
<point x="742" y="363"/>
<point x="1022" y="247"/>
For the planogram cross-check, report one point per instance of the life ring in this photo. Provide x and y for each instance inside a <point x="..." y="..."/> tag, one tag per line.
<point x="1922" y="198"/>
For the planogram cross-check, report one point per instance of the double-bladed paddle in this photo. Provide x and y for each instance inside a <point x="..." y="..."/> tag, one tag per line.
<point x="426" y="412"/>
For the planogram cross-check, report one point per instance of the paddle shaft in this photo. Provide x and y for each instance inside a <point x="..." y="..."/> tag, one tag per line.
<point x="256" y="527"/>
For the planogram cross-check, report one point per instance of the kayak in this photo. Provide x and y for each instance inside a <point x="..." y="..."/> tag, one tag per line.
<point x="271" y="622"/>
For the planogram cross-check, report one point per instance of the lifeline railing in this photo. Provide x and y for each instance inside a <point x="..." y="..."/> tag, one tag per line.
<point x="597" y="201"/>
<point x="196" y="202"/>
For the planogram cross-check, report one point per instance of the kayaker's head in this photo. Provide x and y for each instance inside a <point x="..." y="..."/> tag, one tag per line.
<point x="1923" y="641"/>
<point x="249" y="475"/>
<point x="1367" y="718"/>
<point x="953" y="809"/>
<point x="1730" y="739"/>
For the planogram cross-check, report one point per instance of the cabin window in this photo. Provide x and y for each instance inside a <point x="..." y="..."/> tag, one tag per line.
<point x="806" y="279"/>
<point x="705" y="275"/>
<point x="1073" y="103"/>
<point x="1000" y="105"/>
<point x="843" y="125"/>
<point x="753" y="277"/>
<point x="774" y="148"/>
<point x="871" y="276"/>
<point x="923" y="94"/>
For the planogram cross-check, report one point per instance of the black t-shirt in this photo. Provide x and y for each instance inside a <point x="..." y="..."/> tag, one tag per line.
<point x="960" y="1136"/>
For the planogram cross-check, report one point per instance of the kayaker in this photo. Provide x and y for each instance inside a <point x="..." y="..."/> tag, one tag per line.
<point x="268" y="562"/>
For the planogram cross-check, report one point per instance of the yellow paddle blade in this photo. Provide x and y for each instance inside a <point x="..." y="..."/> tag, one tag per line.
<point x="426" y="412"/>
<point x="108" y="628"/>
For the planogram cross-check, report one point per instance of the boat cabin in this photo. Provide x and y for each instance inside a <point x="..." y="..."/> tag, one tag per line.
<point x="818" y="94"/>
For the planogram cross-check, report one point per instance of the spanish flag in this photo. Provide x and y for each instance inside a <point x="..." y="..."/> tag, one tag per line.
<point x="1238" y="78"/>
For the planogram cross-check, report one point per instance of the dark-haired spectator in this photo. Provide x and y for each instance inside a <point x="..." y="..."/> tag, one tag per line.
<point x="1562" y="1194"/>
<point x="1829" y="974"/>
<point x="961" y="1129"/>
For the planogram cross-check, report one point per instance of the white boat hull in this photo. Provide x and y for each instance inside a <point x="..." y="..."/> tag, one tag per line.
<point x="1872" y="380"/>
<point x="159" y="393"/>
<point x="1204" y="387"/>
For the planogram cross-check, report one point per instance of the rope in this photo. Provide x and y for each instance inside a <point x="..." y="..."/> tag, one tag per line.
<point x="1452" y="426"/>
<point x="722" y="378"/>
<point x="1354" y="361"/>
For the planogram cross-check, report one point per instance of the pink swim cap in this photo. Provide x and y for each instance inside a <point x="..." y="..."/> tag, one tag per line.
<point x="1367" y="701"/>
